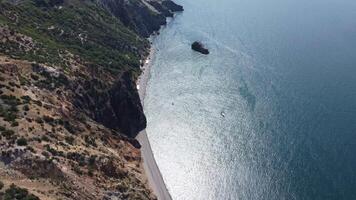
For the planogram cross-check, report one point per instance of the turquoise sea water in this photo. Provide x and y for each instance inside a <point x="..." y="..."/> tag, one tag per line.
<point x="284" y="74"/>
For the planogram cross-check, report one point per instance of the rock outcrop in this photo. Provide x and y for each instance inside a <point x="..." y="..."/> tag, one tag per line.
<point x="116" y="105"/>
<point x="142" y="16"/>
<point x="127" y="107"/>
<point x="172" y="6"/>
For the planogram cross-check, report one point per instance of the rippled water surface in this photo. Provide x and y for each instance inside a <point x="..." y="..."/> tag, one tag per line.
<point x="283" y="73"/>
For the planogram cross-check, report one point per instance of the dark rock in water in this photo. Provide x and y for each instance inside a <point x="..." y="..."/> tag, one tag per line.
<point x="199" y="47"/>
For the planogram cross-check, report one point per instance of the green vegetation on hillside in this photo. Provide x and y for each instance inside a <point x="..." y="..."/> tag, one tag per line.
<point x="80" y="28"/>
<point x="18" y="193"/>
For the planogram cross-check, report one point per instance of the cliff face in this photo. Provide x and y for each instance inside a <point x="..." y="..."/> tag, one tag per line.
<point x="69" y="108"/>
<point x="117" y="106"/>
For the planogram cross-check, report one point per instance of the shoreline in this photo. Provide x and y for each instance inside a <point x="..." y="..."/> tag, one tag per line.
<point x="154" y="176"/>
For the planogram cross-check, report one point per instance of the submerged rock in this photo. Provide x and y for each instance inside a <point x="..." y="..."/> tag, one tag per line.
<point x="199" y="47"/>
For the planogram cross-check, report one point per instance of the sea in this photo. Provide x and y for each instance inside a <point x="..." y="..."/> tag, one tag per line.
<point x="269" y="114"/>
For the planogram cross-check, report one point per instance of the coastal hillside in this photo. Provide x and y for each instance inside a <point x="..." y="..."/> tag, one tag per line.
<point x="69" y="108"/>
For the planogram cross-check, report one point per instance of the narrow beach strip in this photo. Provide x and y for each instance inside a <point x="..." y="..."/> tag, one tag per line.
<point x="153" y="174"/>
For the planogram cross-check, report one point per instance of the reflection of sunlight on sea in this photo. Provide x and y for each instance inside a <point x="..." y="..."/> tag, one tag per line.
<point x="189" y="104"/>
<point x="193" y="92"/>
<point x="279" y="97"/>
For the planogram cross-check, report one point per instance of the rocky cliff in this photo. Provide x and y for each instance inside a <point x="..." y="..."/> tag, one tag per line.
<point x="69" y="108"/>
<point x="115" y="105"/>
<point x="134" y="14"/>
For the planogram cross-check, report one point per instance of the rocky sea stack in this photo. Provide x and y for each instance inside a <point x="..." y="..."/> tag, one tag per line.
<point x="199" y="47"/>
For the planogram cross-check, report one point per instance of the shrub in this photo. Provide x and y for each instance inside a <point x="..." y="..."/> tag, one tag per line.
<point x="8" y="133"/>
<point x="69" y="140"/>
<point x="13" y="109"/>
<point x="78" y="170"/>
<point x="26" y="108"/>
<point x="14" y="124"/>
<point x="47" y="3"/>
<point x="23" y="80"/>
<point x="90" y="172"/>
<point x="1" y="185"/>
<point x="31" y="149"/>
<point x="46" y="154"/>
<point x="59" y="121"/>
<point x="69" y="127"/>
<point x="48" y="119"/>
<point x="91" y="160"/>
<point x="10" y="100"/>
<point x="9" y="116"/>
<point x="45" y="138"/>
<point x="37" y="102"/>
<point x="90" y="141"/>
<point x="53" y="151"/>
<point x="12" y="84"/>
<point x="22" y="142"/>
<point x="26" y="99"/>
<point x="17" y="193"/>
<point x="39" y="120"/>
<point x="34" y="77"/>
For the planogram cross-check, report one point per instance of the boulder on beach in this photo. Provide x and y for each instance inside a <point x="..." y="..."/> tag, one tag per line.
<point x="199" y="47"/>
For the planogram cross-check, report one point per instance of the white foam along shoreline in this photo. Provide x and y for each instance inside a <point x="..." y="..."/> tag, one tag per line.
<point x="153" y="174"/>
